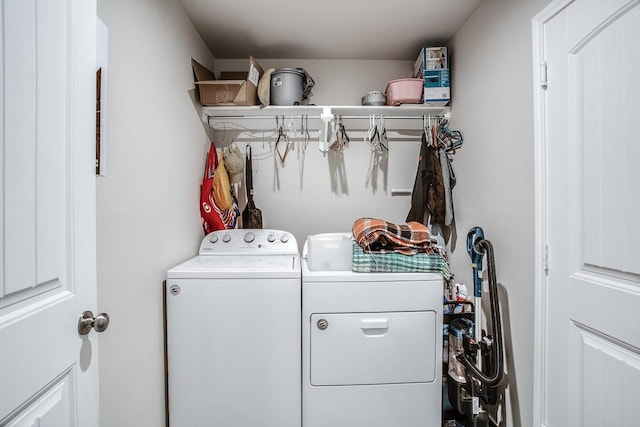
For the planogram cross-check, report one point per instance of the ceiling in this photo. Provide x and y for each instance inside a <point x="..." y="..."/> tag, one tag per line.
<point x="327" y="29"/>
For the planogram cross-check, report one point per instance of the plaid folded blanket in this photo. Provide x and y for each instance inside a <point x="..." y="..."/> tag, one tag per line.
<point x="376" y="235"/>
<point x="365" y="262"/>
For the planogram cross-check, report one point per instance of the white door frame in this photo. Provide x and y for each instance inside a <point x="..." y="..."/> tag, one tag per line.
<point x="540" y="239"/>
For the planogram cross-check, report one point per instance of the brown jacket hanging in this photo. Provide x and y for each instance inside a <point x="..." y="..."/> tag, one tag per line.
<point x="436" y="204"/>
<point x="428" y="188"/>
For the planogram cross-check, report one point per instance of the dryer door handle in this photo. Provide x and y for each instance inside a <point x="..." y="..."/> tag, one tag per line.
<point x="376" y="326"/>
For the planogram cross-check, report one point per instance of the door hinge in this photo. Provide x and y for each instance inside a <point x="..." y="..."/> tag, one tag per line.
<point x="543" y="75"/>
<point x="545" y="259"/>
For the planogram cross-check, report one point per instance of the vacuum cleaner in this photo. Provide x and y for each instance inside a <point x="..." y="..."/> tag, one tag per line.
<point x="476" y="362"/>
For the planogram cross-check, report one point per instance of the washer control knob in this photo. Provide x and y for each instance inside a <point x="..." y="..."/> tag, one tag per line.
<point x="226" y="238"/>
<point x="213" y="238"/>
<point x="323" y="324"/>
<point x="284" y="238"/>
<point x="271" y="238"/>
<point x="249" y="237"/>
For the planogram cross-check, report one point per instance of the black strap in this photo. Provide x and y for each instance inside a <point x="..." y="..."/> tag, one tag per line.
<point x="249" y="174"/>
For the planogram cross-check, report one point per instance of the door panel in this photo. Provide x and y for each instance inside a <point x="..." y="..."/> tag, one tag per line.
<point x="48" y="372"/>
<point x="34" y="88"/>
<point x="18" y="22"/>
<point x="52" y="407"/>
<point x="607" y="375"/>
<point x="592" y="50"/>
<point x="606" y="66"/>
<point x="34" y="160"/>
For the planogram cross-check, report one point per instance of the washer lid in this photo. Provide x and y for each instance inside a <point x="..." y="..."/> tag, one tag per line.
<point x="238" y="266"/>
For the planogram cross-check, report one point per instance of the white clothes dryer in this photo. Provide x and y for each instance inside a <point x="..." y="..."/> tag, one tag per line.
<point x="233" y="332"/>
<point x="371" y="349"/>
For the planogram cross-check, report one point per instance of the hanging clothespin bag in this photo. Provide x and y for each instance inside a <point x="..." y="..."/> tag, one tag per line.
<point x="213" y="216"/>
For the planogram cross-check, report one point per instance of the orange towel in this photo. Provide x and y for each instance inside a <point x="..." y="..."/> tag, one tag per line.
<point x="376" y="235"/>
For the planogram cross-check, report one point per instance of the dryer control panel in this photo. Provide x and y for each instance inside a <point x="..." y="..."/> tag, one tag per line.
<point x="249" y="241"/>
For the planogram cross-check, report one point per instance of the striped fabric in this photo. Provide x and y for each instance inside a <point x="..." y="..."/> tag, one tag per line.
<point x="379" y="236"/>
<point x="365" y="262"/>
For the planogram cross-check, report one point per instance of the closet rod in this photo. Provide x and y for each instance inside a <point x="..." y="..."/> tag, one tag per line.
<point x="391" y="117"/>
<point x="315" y="116"/>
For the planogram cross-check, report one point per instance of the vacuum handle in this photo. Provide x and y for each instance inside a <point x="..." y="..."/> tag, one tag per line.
<point x="474" y="237"/>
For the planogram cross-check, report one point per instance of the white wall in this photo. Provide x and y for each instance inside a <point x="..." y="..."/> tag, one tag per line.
<point x="148" y="217"/>
<point x="493" y="106"/>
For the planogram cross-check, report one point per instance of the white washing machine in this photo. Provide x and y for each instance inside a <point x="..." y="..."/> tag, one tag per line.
<point x="233" y="332"/>
<point x="371" y="349"/>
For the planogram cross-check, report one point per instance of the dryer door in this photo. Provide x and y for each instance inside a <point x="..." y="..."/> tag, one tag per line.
<point x="373" y="348"/>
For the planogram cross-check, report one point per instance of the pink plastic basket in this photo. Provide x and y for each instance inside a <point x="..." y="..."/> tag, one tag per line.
<point x="404" y="91"/>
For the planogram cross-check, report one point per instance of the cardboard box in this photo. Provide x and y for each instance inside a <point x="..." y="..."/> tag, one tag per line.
<point x="432" y="65"/>
<point x="235" y="88"/>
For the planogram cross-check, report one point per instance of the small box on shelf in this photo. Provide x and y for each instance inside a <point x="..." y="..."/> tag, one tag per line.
<point x="432" y="65"/>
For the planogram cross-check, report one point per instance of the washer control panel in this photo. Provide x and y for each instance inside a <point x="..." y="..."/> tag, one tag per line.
<point x="248" y="241"/>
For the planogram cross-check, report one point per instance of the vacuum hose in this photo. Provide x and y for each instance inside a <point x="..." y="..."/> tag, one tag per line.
<point x="495" y="377"/>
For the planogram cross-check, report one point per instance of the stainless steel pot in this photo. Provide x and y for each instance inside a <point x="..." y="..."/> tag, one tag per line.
<point x="287" y="86"/>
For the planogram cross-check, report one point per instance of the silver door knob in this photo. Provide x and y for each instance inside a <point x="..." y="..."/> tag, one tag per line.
<point x="87" y="321"/>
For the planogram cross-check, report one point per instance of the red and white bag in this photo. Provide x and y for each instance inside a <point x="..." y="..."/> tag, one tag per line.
<point x="214" y="218"/>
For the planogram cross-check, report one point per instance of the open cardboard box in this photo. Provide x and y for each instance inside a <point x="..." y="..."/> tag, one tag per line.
<point x="234" y="88"/>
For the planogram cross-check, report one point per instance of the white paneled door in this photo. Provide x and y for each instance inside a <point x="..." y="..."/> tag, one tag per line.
<point x="48" y="371"/>
<point x="589" y="303"/>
